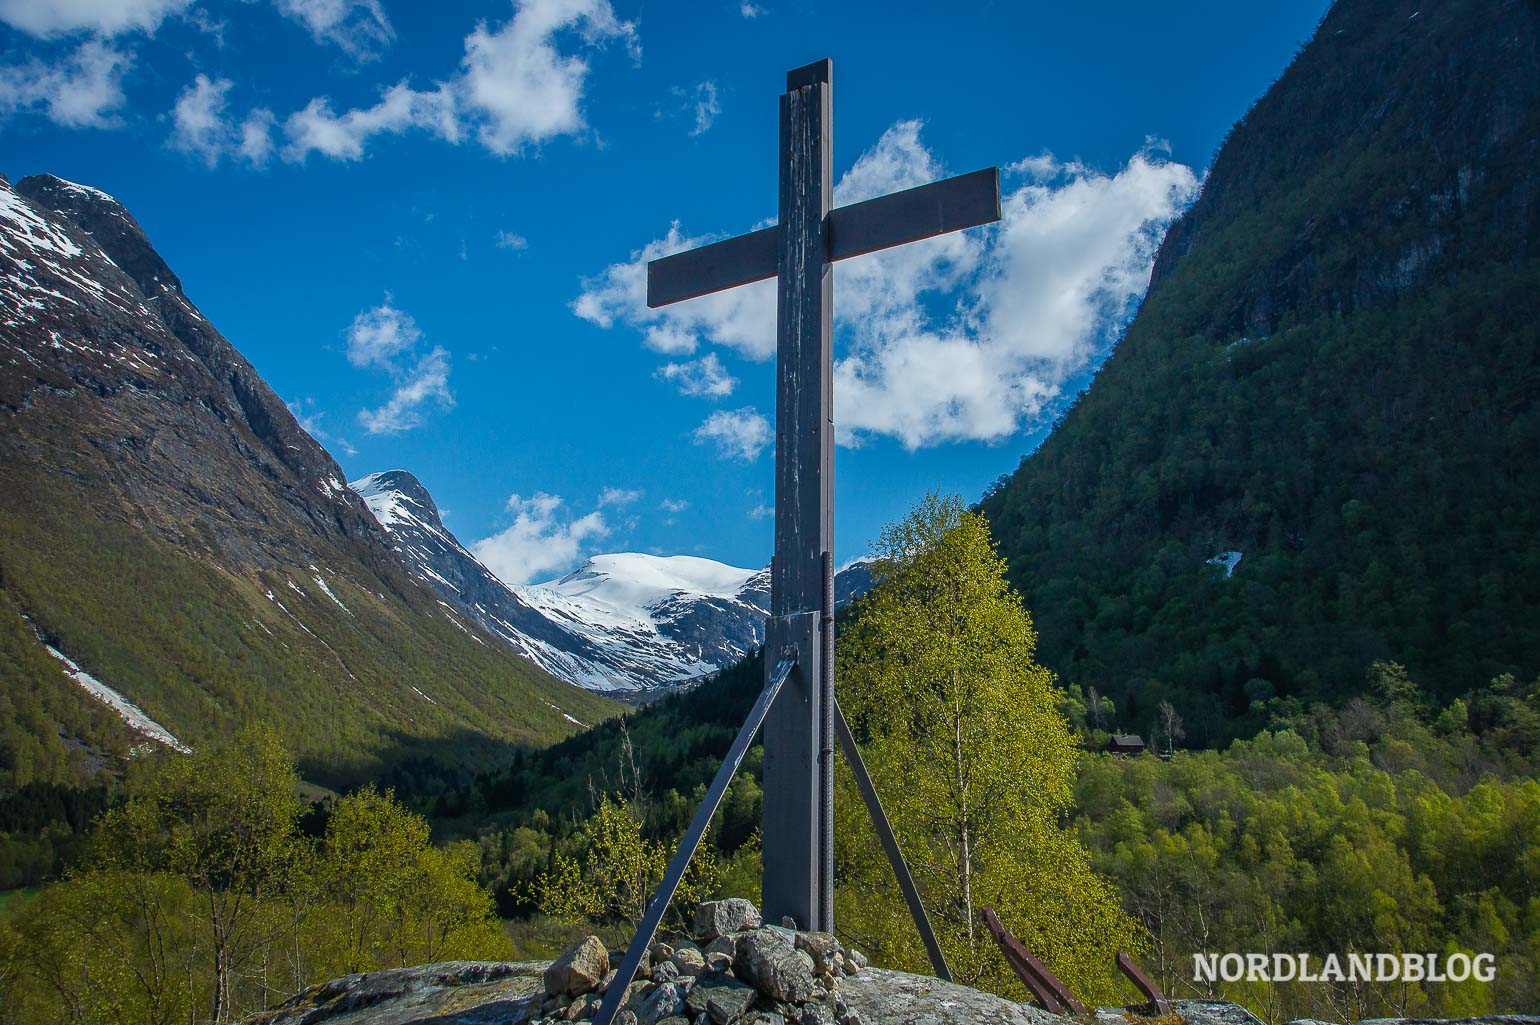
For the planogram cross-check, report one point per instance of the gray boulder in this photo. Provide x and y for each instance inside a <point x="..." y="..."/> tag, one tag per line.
<point x="440" y="993"/>
<point x="1214" y="1012"/>
<point x="579" y="970"/>
<point x="664" y="1002"/>
<point x="720" y="917"/>
<point x="721" y="997"/>
<point x="880" y="997"/>
<point x="765" y="960"/>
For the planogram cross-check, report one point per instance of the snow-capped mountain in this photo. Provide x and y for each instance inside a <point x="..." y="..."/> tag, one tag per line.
<point x="187" y="556"/>
<point x="620" y="622"/>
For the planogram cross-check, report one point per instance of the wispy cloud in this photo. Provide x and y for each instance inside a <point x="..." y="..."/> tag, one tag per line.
<point x="508" y="240"/>
<point x="674" y="505"/>
<point x="519" y="84"/>
<point x="48" y="19"/>
<point x="313" y="421"/>
<point x="318" y="129"/>
<point x="542" y="539"/>
<point x="967" y="336"/>
<point x="82" y="89"/>
<point x="202" y="128"/>
<point x="618" y="497"/>
<point x="701" y="104"/>
<point x="358" y="27"/>
<point x="385" y="337"/>
<point x="705" y="376"/>
<point x="427" y="380"/>
<point x="750" y="11"/>
<point x="379" y="334"/>
<point x="737" y="434"/>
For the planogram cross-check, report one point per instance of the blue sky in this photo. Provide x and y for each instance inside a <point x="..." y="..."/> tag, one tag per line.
<point x="425" y="225"/>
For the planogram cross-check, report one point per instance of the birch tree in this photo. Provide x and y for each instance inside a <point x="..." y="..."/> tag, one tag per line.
<point x="973" y="762"/>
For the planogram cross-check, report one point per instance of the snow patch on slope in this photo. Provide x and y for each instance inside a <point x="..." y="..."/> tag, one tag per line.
<point x="129" y="712"/>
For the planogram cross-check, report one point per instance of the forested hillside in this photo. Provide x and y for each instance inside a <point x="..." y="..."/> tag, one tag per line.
<point x="1314" y="447"/>
<point x="167" y="526"/>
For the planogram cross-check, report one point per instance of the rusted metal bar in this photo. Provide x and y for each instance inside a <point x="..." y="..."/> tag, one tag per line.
<point x="1144" y="984"/>
<point x="1045" y="986"/>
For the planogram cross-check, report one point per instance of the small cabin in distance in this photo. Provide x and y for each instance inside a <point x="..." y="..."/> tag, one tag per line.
<point x="1126" y="744"/>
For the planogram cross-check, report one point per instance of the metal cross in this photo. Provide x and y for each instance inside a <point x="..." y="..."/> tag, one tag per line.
<point x="801" y="718"/>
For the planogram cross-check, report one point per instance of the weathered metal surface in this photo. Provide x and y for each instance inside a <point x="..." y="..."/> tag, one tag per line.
<point x="740" y="260"/>
<point x="1046" y="987"/>
<point x="797" y="822"/>
<point x="1144" y="984"/>
<point x="890" y="845"/>
<point x="774" y="682"/>
<point x="794" y="864"/>
<point x="925" y="211"/>
<point x="826" y="747"/>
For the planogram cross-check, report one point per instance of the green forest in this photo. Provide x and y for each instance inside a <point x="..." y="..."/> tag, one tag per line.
<point x="1397" y="821"/>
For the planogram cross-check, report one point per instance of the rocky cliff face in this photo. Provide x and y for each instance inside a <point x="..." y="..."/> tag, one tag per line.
<point x="166" y="524"/>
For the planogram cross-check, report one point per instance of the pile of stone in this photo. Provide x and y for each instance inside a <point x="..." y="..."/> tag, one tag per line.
<point x="731" y="970"/>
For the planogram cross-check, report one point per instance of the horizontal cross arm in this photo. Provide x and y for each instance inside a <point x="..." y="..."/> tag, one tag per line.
<point x="726" y="264"/>
<point x="951" y="204"/>
<point x="925" y="211"/>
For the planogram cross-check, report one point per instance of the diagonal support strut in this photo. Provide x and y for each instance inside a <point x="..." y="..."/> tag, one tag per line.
<point x="687" y="846"/>
<point x="890" y="845"/>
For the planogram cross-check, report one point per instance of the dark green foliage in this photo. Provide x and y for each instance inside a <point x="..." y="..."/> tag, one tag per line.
<point x="1335" y="373"/>
<point x="661" y="758"/>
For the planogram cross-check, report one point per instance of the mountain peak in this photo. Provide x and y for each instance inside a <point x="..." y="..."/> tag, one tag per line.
<point x="109" y="223"/>
<point x="393" y="494"/>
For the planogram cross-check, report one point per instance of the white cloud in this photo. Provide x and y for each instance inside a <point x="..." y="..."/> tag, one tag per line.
<point x="427" y="381"/>
<point x="962" y="337"/>
<point x="520" y="84"/>
<point x="201" y="128"/>
<point x="674" y="505"/>
<point x="52" y="18"/>
<point x="508" y="240"/>
<point x="317" y="129"/>
<point x="256" y="132"/>
<point x="386" y="337"/>
<point x="80" y="90"/>
<point x="761" y="512"/>
<point x="540" y="541"/>
<point x="198" y="119"/>
<point x="750" y="11"/>
<point x="617" y="496"/>
<point x="358" y="27"/>
<point x="737" y="434"/>
<point x="742" y="319"/>
<point x="703" y="103"/>
<point x="705" y="376"/>
<point x="377" y="336"/>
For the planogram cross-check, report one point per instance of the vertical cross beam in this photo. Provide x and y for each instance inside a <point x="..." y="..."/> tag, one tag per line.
<point x="797" y="867"/>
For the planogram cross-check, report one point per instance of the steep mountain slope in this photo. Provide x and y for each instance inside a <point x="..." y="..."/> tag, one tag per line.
<point x="168" y="526"/>
<point x="1315" y="446"/>
<point x="620" y="622"/>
